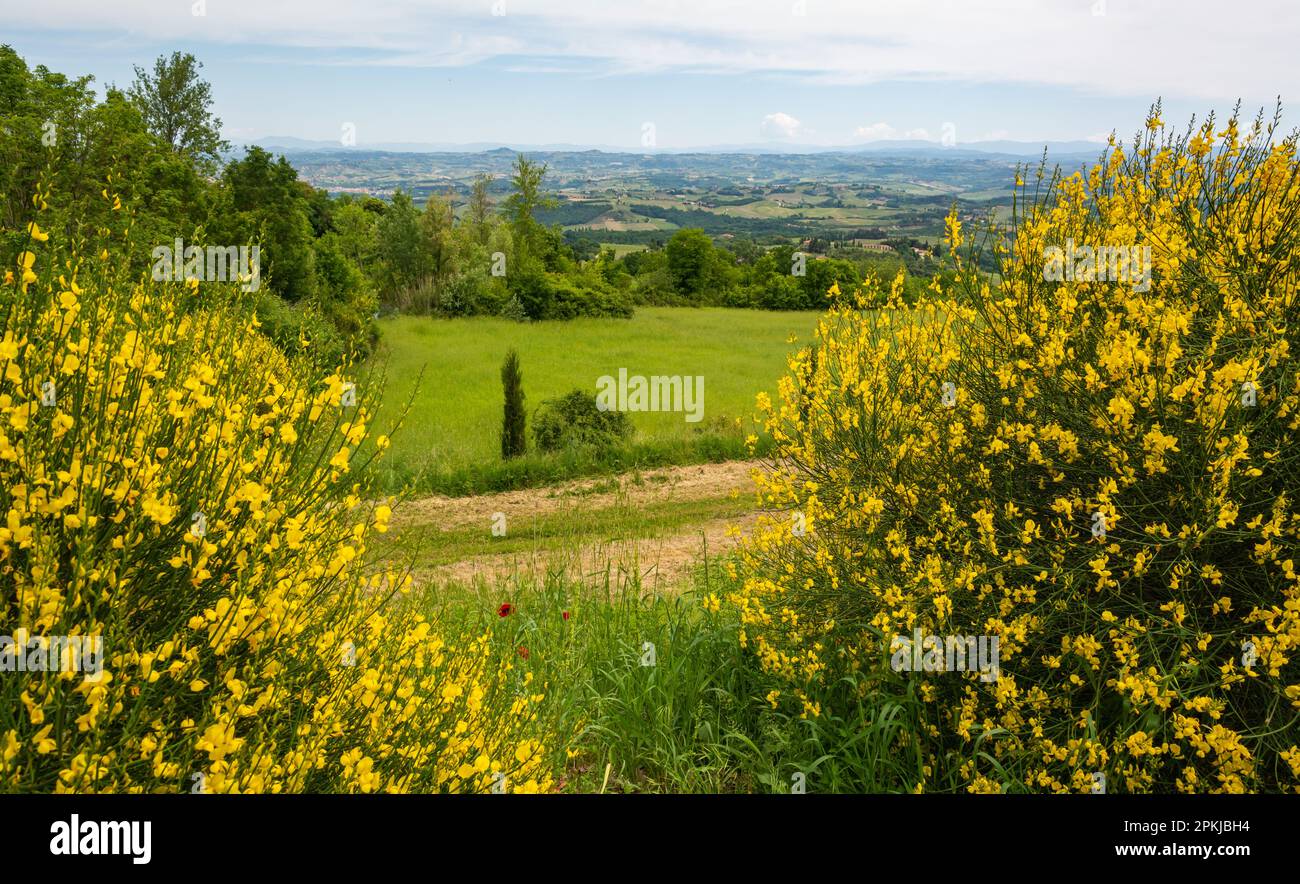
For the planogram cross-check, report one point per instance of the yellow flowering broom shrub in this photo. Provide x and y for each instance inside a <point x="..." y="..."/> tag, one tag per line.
<point x="1095" y="465"/>
<point x="173" y="486"/>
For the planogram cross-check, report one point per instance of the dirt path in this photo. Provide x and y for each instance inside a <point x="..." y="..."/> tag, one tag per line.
<point x="648" y="486"/>
<point x="660" y="562"/>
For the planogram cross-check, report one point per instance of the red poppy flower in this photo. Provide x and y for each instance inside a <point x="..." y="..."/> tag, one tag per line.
<point x="505" y="609"/>
<point x="566" y="615"/>
<point x="523" y="652"/>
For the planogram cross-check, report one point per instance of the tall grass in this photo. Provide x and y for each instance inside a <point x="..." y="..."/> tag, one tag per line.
<point x="655" y="693"/>
<point x="652" y="687"/>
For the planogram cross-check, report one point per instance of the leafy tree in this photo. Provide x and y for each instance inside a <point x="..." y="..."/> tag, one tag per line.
<point x="320" y="209"/>
<point x="53" y="129"/>
<point x="531" y="287"/>
<point x="177" y="107"/>
<point x="356" y="229"/>
<point x="436" y="227"/>
<point x="402" y="253"/>
<point x="98" y="159"/>
<point x="820" y="275"/>
<point x="479" y="214"/>
<point x="611" y="269"/>
<point x="262" y="202"/>
<point x="745" y="250"/>
<point x="690" y="262"/>
<point x="343" y="292"/>
<point x="41" y="114"/>
<point x="584" y="248"/>
<point x="522" y="205"/>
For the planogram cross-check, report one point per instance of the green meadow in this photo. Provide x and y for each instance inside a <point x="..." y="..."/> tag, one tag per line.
<point x="448" y="371"/>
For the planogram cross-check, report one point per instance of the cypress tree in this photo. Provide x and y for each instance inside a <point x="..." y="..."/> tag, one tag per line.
<point x="512" y="424"/>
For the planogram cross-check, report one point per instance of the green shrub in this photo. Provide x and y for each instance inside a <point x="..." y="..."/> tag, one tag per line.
<point x="575" y="421"/>
<point x="546" y="295"/>
<point x="196" y="509"/>
<point x="1096" y="469"/>
<point x="295" y="328"/>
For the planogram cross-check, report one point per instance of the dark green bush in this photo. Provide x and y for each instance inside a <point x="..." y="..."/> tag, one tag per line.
<point x="574" y="421"/>
<point x="553" y="296"/>
<point x="291" y="326"/>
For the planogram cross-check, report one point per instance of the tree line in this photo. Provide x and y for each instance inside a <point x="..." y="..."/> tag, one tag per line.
<point x="331" y="264"/>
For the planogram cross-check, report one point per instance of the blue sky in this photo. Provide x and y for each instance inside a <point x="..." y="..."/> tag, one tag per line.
<point x="816" y="72"/>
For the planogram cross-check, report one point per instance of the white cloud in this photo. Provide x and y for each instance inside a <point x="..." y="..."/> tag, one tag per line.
<point x="780" y="125"/>
<point x="886" y="132"/>
<point x="1157" y="47"/>
<point x="875" y="132"/>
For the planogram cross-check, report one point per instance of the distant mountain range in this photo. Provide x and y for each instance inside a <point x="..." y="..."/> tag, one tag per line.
<point x="1024" y="149"/>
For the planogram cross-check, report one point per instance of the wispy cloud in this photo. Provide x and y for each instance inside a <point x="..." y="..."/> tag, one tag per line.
<point x="1134" y="48"/>
<point x="886" y="132"/>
